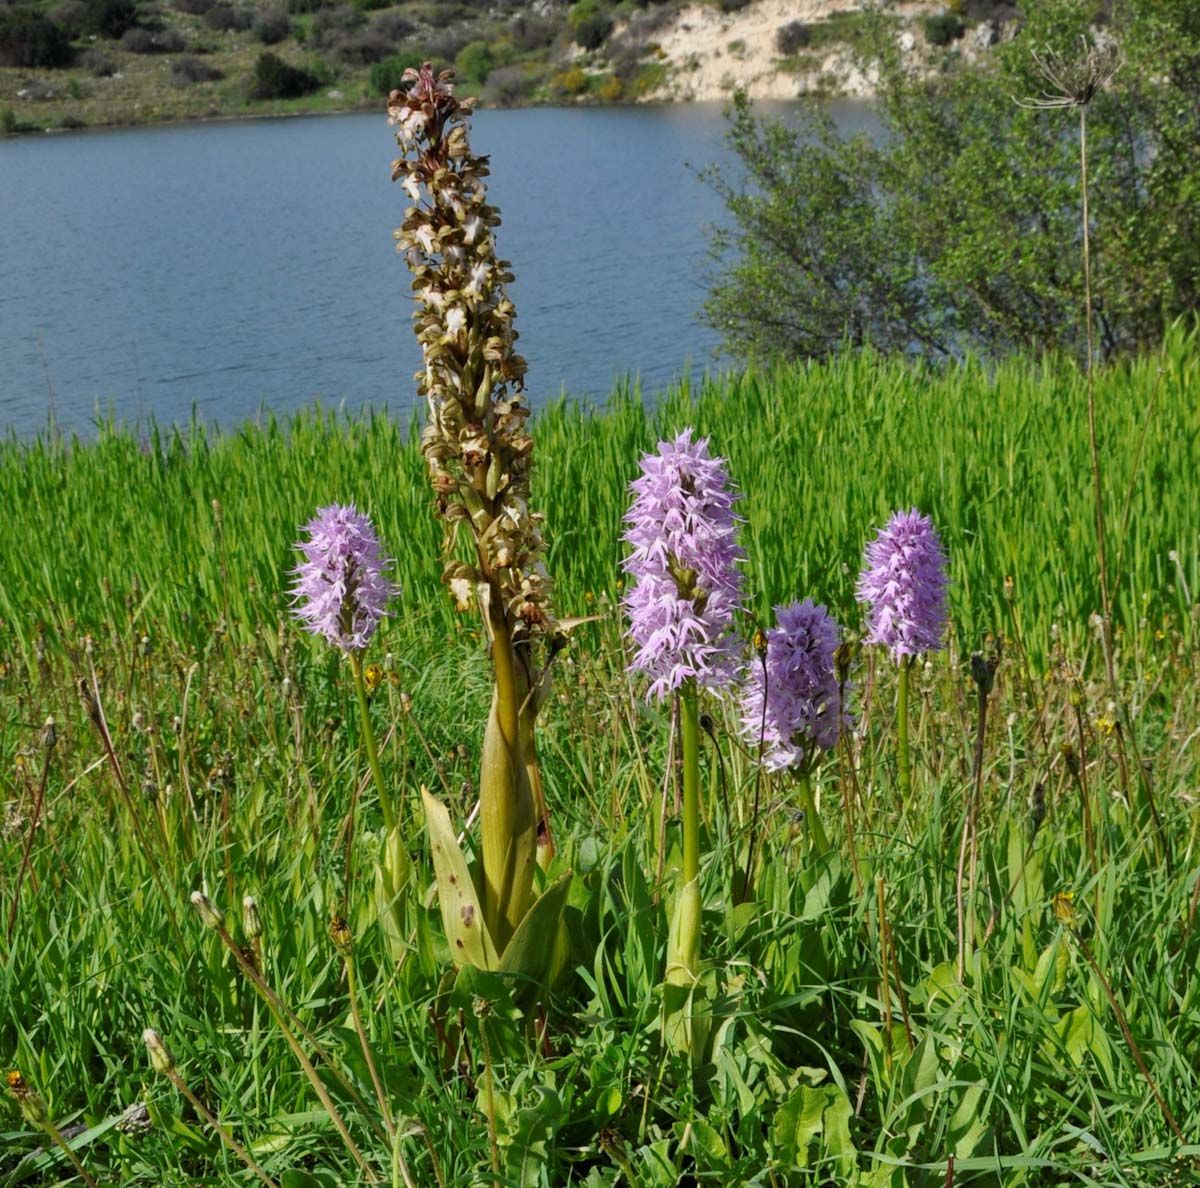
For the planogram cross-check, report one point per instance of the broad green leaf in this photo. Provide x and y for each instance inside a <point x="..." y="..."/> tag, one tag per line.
<point x="530" y="954"/>
<point x="810" y="1114"/>
<point x="467" y="934"/>
<point x="969" y="1122"/>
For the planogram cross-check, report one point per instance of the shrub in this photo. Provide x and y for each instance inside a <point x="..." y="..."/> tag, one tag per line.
<point x="530" y="32"/>
<point x="732" y="5"/>
<point x="569" y="83"/>
<point x="474" y="62"/>
<point x="110" y="18"/>
<point x="97" y="63"/>
<point x="371" y="5"/>
<point x="509" y="85"/>
<point x="387" y="76"/>
<point x="188" y="70"/>
<point x="28" y="39"/>
<point x="362" y="49"/>
<point x="394" y="26"/>
<point x="8" y="121"/>
<point x="70" y="16"/>
<point x="224" y="18"/>
<point x="276" y="79"/>
<point x="299" y="7"/>
<point x="194" y="7"/>
<point x="153" y="41"/>
<point x="272" y="25"/>
<point x="610" y="90"/>
<point x="792" y="37"/>
<point x="593" y="31"/>
<point x="943" y="28"/>
<point x="330" y="25"/>
<point x="444" y="45"/>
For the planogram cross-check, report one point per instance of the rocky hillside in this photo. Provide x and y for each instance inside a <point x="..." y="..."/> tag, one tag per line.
<point x="73" y="63"/>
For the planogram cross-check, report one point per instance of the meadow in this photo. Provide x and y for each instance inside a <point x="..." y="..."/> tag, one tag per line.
<point x="853" y="1038"/>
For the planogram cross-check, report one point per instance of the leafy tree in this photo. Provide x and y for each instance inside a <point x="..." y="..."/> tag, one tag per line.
<point x="593" y="31"/>
<point x="28" y="39"/>
<point x="475" y="62"/>
<point x="276" y="79"/>
<point x="958" y="226"/>
<point x="388" y="76"/>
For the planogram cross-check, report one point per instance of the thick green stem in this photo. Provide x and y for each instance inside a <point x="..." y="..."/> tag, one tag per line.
<point x="506" y="813"/>
<point x="816" y="830"/>
<point x="683" y="941"/>
<point x="385" y="802"/>
<point x="689" y="728"/>
<point x="902" y="733"/>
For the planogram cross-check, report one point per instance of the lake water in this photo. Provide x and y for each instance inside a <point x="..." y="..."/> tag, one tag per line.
<point x="226" y="267"/>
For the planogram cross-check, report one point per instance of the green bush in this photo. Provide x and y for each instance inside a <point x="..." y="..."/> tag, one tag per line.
<point x="474" y="62"/>
<point x="388" y="75"/>
<point x="957" y="228"/>
<point x="110" y="18"/>
<point x="942" y="28"/>
<point x="276" y="79"/>
<point x="28" y="39"/>
<point x="593" y="31"/>
<point x="272" y="25"/>
<point x="792" y="38"/>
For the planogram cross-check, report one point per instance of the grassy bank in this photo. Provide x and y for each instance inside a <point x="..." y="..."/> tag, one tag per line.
<point x="846" y="1048"/>
<point x="998" y="455"/>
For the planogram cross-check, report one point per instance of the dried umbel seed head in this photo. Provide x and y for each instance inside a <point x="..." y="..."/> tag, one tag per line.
<point x="983" y="672"/>
<point x="161" y="1059"/>
<point x="252" y="927"/>
<point x="207" y="910"/>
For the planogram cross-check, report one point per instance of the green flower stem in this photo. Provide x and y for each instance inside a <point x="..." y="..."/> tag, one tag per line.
<point x="277" y="1009"/>
<point x="817" y="832"/>
<point x="902" y="733"/>
<point x="224" y="1134"/>
<point x="385" y="802"/>
<point x="56" y="1137"/>
<point x="508" y="830"/>
<point x="689" y="724"/>
<point x="368" y="1055"/>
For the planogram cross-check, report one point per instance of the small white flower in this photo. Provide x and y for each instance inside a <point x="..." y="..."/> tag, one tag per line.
<point x="480" y="277"/>
<point x="413" y="187"/>
<point x="456" y="320"/>
<point x="434" y="298"/>
<point x="463" y="592"/>
<point x="427" y="239"/>
<point x="414" y="124"/>
<point x="472" y="229"/>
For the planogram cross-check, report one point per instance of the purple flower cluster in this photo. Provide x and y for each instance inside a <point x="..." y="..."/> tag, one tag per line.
<point x="686" y="587"/>
<point x="790" y="702"/>
<point x="341" y="588"/>
<point x="904" y="581"/>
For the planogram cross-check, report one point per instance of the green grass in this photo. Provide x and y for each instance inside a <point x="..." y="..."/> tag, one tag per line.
<point x="239" y="753"/>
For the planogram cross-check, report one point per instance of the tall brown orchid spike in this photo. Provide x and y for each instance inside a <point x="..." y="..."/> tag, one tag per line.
<point x="480" y="458"/>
